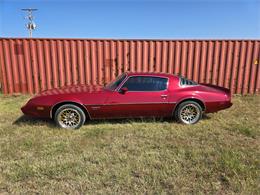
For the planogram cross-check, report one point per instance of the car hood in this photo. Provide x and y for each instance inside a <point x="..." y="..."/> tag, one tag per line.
<point x="73" y="90"/>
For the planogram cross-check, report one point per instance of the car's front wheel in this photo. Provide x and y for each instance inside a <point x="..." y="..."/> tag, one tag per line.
<point x="189" y="112"/>
<point x="69" y="116"/>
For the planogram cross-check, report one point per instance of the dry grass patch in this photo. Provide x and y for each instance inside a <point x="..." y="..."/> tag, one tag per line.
<point x="220" y="154"/>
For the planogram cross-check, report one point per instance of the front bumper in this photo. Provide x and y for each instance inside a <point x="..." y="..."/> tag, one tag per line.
<point x="36" y="110"/>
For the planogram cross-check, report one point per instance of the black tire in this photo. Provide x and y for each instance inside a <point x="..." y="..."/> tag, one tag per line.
<point x="69" y="116"/>
<point x="191" y="115"/>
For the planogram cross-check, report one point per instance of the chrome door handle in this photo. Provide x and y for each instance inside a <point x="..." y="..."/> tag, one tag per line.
<point x="164" y="96"/>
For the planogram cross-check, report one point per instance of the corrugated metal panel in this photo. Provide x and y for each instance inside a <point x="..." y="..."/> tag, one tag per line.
<point x="33" y="65"/>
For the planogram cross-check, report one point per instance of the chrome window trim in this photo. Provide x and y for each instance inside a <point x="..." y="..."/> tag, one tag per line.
<point x="124" y="81"/>
<point x="125" y="73"/>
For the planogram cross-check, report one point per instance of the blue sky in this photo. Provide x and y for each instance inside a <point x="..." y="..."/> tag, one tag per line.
<point x="155" y="19"/>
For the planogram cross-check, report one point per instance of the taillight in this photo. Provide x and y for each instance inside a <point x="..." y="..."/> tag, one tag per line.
<point x="228" y="96"/>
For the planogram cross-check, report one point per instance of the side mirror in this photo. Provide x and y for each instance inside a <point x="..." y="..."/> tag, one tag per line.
<point x="123" y="90"/>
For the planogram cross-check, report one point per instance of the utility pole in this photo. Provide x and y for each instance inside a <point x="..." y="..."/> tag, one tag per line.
<point x="30" y="25"/>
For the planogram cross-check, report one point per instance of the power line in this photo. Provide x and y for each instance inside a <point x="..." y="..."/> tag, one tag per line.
<point x="31" y="24"/>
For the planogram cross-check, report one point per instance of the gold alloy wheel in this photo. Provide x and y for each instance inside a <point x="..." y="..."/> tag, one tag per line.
<point x="69" y="118"/>
<point x="189" y="114"/>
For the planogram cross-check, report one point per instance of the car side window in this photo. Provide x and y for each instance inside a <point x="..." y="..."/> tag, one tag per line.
<point x="186" y="82"/>
<point x="146" y="83"/>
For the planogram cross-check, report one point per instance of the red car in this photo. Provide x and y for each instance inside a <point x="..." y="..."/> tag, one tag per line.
<point x="130" y="95"/>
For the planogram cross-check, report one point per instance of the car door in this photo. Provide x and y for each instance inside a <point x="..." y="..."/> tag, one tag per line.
<point x="145" y="96"/>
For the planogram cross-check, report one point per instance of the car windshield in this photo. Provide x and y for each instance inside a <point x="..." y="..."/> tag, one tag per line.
<point x="115" y="83"/>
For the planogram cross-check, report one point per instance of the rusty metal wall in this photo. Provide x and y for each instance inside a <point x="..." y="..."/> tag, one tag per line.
<point x="33" y="65"/>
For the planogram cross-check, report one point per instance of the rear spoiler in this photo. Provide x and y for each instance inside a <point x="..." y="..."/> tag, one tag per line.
<point x="217" y="87"/>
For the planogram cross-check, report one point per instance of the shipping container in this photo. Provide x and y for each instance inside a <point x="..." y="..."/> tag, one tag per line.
<point x="30" y="65"/>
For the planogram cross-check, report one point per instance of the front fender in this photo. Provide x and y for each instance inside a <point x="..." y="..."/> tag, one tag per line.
<point x="63" y="101"/>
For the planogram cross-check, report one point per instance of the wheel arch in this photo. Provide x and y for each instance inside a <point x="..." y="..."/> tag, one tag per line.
<point x="59" y="104"/>
<point x="197" y="100"/>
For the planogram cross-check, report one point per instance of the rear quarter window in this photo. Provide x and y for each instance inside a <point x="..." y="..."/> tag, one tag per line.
<point x="187" y="82"/>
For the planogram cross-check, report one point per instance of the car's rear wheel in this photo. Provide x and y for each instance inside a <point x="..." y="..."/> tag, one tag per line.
<point x="69" y="116"/>
<point x="189" y="112"/>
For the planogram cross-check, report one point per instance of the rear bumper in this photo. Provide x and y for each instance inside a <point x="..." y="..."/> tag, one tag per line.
<point x="229" y="105"/>
<point x="217" y="106"/>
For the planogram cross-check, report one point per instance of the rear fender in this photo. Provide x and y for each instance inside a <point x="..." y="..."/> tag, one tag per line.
<point x="198" y="98"/>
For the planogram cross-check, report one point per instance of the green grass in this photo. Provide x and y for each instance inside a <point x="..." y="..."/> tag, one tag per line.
<point x="218" y="155"/>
